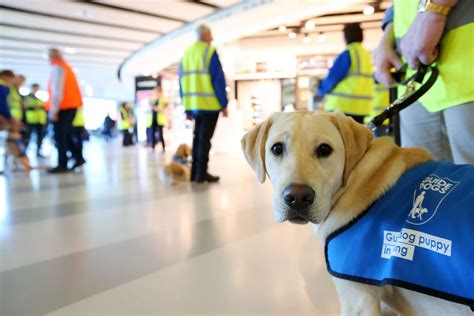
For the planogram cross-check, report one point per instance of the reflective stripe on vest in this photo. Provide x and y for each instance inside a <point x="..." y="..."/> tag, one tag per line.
<point x="196" y="85"/>
<point x="161" y="115"/>
<point x="454" y="85"/>
<point x="79" y="119"/>
<point x="353" y="95"/>
<point x="35" y="112"/>
<point x="14" y="102"/>
<point x="72" y="98"/>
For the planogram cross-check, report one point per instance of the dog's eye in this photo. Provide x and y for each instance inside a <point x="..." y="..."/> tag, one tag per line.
<point x="277" y="149"/>
<point x="323" y="150"/>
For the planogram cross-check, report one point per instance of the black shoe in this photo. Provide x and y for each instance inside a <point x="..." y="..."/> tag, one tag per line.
<point x="58" y="170"/>
<point x="78" y="164"/>
<point x="207" y="178"/>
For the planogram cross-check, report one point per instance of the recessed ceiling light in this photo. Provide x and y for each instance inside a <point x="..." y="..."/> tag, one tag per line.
<point x="282" y="28"/>
<point x="309" y="25"/>
<point x="292" y="34"/>
<point x="369" y="10"/>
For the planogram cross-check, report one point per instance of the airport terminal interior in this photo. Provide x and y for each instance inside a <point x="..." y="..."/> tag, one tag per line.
<point x="116" y="230"/>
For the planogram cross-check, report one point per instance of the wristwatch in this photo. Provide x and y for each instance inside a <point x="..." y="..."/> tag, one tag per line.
<point x="427" y="5"/>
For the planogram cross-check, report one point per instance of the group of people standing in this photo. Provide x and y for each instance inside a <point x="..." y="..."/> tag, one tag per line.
<point x="415" y="32"/>
<point x="27" y="116"/>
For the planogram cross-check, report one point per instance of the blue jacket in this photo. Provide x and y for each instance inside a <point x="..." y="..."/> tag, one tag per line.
<point x="4" y="108"/>
<point x="336" y="74"/>
<point x="419" y="235"/>
<point x="218" y="82"/>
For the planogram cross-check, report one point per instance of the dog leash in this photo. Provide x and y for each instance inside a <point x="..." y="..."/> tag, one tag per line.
<point x="411" y="93"/>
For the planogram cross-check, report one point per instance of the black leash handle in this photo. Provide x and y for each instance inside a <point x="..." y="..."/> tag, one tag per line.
<point x="402" y="103"/>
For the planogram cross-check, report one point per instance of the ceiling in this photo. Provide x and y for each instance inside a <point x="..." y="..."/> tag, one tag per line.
<point x="96" y="36"/>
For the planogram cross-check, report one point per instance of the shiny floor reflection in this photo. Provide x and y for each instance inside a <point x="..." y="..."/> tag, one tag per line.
<point x="113" y="240"/>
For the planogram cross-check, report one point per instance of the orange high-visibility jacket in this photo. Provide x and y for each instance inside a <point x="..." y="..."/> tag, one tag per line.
<point x="72" y="98"/>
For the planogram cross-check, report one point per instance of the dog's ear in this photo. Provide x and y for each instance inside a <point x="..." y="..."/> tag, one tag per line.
<point x="253" y="146"/>
<point x="356" y="138"/>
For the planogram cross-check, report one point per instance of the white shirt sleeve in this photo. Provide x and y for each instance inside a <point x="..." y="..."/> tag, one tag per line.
<point x="57" y="88"/>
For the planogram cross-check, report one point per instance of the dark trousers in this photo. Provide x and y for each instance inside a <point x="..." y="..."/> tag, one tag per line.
<point x="63" y="133"/>
<point x="39" y="130"/>
<point x="155" y="128"/>
<point x="127" y="138"/>
<point x="76" y="143"/>
<point x="204" y="126"/>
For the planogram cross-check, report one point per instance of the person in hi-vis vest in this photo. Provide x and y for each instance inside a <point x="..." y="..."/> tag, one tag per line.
<point x="349" y="84"/>
<point x="64" y="100"/>
<point x="126" y="123"/>
<point x="203" y="94"/>
<point x="439" y="32"/>
<point x="36" y="117"/>
<point x="157" y="117"/>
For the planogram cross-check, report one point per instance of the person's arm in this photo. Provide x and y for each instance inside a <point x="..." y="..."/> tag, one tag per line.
<point x="385" y="55"/>
<point x="57" y="87"/>
<point x="218" y="80"/>
<point x="4" y="108"/>
<point x="336" y="74"/>
<point x="420" y="43"/>
<point x="387" y="18"/>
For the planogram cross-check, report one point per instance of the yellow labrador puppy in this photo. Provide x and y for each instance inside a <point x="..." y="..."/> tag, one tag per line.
<point x="178" y="169"/>
<point x="327" y="169"/>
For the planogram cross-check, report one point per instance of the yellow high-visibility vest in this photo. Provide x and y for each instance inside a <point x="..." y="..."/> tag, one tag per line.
<point x="123" y="119"/>
<point x="35" y="112"/>
<point x="15" y="103"/>
<point x="353" y="95"/>
<point x="79" y="119"/>
<point x="161" y="115"/>
<point x="455" y="83"/>
<point x="196" y="85"/>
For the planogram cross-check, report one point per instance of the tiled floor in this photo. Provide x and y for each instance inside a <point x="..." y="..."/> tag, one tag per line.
<point x="112" y="240"/>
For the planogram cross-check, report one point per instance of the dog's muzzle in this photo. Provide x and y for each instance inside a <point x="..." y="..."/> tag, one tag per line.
<point x="298" y="198"/>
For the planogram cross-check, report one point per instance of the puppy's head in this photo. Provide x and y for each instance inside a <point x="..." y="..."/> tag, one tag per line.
<point x="183" y="151"/>
<point x="307" y="156"/>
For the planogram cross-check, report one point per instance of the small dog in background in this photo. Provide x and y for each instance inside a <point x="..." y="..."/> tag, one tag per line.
<point x="178" y="169"/>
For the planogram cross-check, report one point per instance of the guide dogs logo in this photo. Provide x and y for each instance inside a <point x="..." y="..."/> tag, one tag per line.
<point x="428" y="197"/>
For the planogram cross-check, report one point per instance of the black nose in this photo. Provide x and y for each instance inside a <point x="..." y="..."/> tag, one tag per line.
<point x="298" y="196"/>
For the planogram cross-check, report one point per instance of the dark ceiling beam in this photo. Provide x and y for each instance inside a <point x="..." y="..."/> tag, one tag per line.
<point x="86" y="21"/>
<point x="209" y="5"/>
<point x="123" y="9"/>
<point x="42" y="29"/>
<point x="54" y="43"/>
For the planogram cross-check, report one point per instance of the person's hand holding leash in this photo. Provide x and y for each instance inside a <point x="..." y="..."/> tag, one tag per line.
<point x="225" y="113"/>
<point x="386" y="58"/>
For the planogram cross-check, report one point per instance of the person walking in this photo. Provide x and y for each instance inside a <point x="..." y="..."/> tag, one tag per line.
<point x="36" y="117"/>
<point x="157" y="119"/>
<point x="349" y="84"/>
<point x="64" y="100"/>
<point x="203" y="93"/>
<point x="126" y="123"/>
<point x="428" y="31"/>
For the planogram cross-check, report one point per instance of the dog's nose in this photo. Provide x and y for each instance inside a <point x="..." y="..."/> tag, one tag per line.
<point x="298" y="196"/>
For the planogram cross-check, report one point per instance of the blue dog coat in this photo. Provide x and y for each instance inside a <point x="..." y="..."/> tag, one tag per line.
<point x="419" y="235"/>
